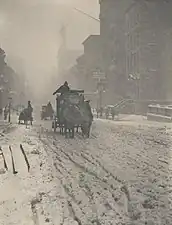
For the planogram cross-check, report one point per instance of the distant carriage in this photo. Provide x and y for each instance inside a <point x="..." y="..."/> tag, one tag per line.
<point x="25" y="116"/>
<point x="18" y="108"/>
<point x="110" y="111"/>
<point x="46" y="113"/>
<point x="72" y="112"/>
<point x="114" y="110"/>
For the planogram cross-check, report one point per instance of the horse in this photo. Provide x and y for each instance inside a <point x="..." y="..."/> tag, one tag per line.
<point x="87" y="119"/>
<point x="73" y="116"/>
<point x="70" y="114"/>
<point x="49" y="111"/>
<point x="78" y="116"/>
<point x="26" y="115"/>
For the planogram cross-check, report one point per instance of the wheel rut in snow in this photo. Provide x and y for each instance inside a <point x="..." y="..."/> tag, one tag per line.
<point x="62" y="157"/>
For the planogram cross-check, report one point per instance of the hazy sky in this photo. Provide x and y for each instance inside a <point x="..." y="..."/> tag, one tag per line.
<point x="29" y="30"/>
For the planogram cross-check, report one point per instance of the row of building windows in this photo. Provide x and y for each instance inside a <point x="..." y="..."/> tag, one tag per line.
<point x="132" y="19"/>
<point x="133" y="41"/>
<point x="132" y="65"/>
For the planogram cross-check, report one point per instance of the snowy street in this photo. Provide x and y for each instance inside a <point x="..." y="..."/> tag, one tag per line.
<point x="79" y="181"/>
<point x="85" y="112"/>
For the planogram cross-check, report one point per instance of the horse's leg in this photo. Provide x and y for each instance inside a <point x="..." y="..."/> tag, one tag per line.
<point x="25" y="123"/>
<point x="65" y="131"/>
<point x="70" y="132"/>
<point x="61" y="130"/>
<point x="73" y="132"/>
<point x="82" y="129"/>
<point x="88" y="131"/>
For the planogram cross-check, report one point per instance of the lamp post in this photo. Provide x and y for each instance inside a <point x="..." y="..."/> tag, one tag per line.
<point x="136" y="79"/>
<point x="100" y="78"/>
<point x="9" y="113"/>
<point x="3" y="86"/>
<point x="100" y="90"/>
<point x="1" y="92"/>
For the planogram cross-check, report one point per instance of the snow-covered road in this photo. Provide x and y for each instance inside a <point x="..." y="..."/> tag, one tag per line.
<point x="78" y="181"/>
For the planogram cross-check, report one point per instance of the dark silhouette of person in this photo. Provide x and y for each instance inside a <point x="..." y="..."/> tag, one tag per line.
<point x="6" y="111"/>
<point x="87" y="102"/>
<point x="29" y="108"/>
<point x="49" y="107"/>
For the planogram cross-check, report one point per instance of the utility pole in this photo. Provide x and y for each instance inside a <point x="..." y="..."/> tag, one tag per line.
<point x="100" y="77"/>
<point x="9" y="113"/>
<point x="97" y="74"/>
<point x="136" y="79"/>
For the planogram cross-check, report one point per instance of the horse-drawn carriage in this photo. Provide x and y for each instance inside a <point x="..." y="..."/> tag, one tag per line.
<point x="110" y="111"/>
<point x="25" y="116"/>
<point x="72" y="112"/>
<point x="46" y="112"/>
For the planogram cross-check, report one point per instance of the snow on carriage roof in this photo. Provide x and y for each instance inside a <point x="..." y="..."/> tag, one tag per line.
<point x="71" y="91"/>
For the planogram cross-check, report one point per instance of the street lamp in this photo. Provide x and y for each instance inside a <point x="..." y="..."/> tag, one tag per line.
<point x="9" y="114"/>
<point x="2" y="89"/>
<point x="100" y="90"/>
<point x="136" y="78"/>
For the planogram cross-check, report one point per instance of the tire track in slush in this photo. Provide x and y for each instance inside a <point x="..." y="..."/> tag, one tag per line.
<point x="96" y="160"/>
<point x="70" y="196"/>
<point x="83" y="169"/>
<point x="140" y="163"/>
<point x="146" y="163"/>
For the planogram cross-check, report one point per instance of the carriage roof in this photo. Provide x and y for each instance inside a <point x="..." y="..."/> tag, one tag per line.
<point x="71" y="92"/>
<point x="72" y="96"/>
<point x="76" y="91"/>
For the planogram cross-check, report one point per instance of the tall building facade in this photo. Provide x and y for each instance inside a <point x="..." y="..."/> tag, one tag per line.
<point x="136" y="41"/>
<point x="89" y="63"/>
<point x="167" y="63"/>
<point x="66" y="59"/>
<point x="147" y="23"/>
<point x="112" y="33"/>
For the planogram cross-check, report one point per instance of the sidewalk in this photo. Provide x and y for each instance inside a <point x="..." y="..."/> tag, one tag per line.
<point x="4" y="125"/>
<point x="34" y="197"/>
<point x="2" y="122"/>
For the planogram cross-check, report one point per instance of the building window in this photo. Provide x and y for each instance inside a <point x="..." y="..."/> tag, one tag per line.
<point x="137" y="39"/>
